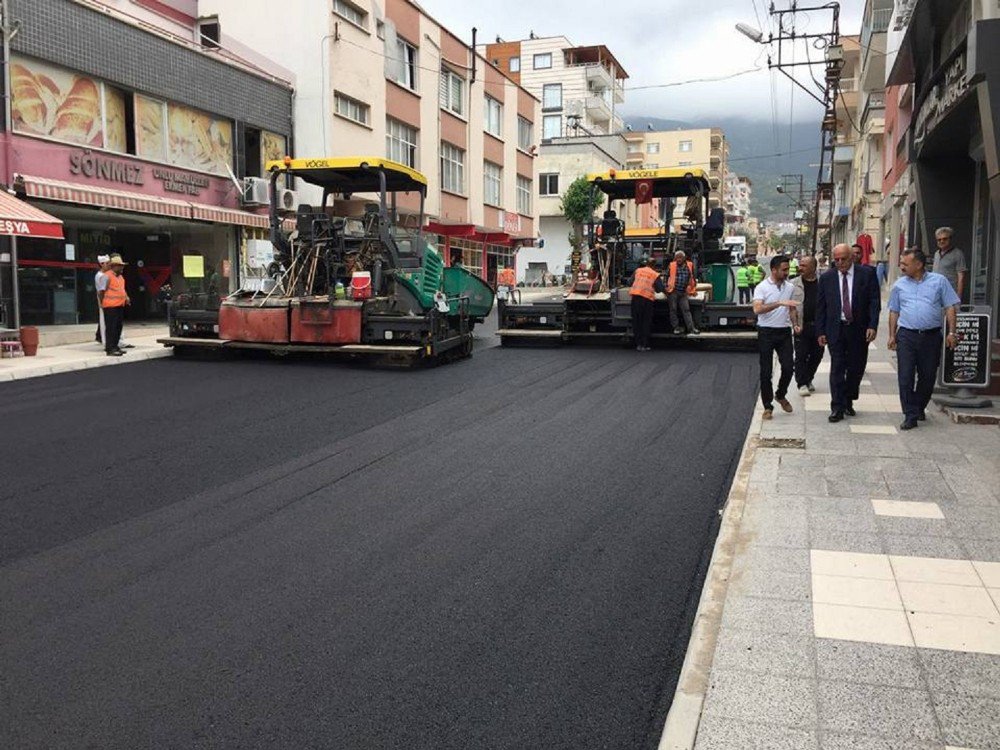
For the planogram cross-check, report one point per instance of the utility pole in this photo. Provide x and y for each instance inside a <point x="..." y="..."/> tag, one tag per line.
<point x="826" y="93"/>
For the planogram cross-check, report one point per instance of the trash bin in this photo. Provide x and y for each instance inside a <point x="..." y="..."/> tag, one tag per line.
<point x="722" y="282"/>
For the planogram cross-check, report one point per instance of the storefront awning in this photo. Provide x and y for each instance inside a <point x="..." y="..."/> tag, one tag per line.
<point x="217" y="215"/>
<point x="450" y="230"/>
<point x="20" y="219"/>
<point x="67" y="192"/>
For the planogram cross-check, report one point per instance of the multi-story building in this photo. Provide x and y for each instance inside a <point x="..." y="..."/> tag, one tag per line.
<point x="387" y="79"/>
<point x="737" y="192"/>
<point x="581" y="90"/>
<point x="704" y="148"/>
<point x="134" y="124"/>
<point x="842" y="172"/>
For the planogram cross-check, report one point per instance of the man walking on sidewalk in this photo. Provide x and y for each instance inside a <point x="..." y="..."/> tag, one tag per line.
<point x="776" y="316"/>
<point x="113" y="298"/>
<point x="916" y="305"/>
<point x="808" y="352"/>
<point x="949" y="261"/>
<point x="847" y="309"/>
<point x="102" y="267"/>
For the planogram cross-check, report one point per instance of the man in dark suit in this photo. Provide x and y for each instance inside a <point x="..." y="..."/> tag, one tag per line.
<point x="847" y="309"/>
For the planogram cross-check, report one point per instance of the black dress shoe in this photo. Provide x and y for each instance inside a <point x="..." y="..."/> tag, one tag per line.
<point x="849" y="411"/>
<point x="127" y="346"/>
<point x="922" y="417"/>
<point x="835" y="416"/>
<point x="908" y="424"/>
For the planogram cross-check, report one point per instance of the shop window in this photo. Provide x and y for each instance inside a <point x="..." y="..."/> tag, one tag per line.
<point x="182" y="136"/>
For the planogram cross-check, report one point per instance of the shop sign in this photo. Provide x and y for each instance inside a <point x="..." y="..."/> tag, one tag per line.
<point x="942" y="98"/>
<point x="98" y="167"/>
<point x="968" y="364"/>
<point x="511" y="222"/>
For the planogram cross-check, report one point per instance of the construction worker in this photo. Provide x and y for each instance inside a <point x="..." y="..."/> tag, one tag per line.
<point x="645" y="283"/>
<point x="793" y="267"/>
<point x="113" y="298"/>
<point x="681" y="285"/>
<point x="743" y="282"/>
<point x="756" y="275"/>
<point x="506" y="277"/>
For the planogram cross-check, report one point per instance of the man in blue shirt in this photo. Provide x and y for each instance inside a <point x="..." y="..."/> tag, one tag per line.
<point x="917" y="303"/>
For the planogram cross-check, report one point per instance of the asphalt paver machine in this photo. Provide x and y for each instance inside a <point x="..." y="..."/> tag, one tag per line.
<point x="597" y="305"/>
<point x="349" y="285"/>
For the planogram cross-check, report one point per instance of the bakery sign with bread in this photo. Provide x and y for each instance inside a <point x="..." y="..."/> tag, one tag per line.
<point x="50" y="102"/>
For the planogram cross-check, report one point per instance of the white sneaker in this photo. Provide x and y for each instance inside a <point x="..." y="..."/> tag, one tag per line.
<point x="804" y="390"/>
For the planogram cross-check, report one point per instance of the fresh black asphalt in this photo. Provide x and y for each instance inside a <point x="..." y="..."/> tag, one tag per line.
<point x="501" y="553"/>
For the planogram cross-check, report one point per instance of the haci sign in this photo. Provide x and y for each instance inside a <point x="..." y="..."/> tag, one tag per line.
<point x="99" y="167"/>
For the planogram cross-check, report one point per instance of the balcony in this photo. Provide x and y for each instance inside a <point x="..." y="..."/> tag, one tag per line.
<point x="873" y="113"/>
<point x="635" y="157"/>
<point x="598" y="108"/>
<point x="843" y="158"/>
<point x="873" y="38"/>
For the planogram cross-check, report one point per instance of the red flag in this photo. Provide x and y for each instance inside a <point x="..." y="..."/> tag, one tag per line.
<point x="644" y="191"/>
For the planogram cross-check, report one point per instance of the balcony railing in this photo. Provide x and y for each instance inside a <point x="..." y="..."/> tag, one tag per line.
<point x="848" y="85"/>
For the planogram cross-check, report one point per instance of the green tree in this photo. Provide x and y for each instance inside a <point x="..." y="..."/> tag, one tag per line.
<point x="578" y="204"/>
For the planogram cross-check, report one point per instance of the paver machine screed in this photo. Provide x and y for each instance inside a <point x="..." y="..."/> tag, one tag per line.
<point x="597" y="306"/>
<point x="359" y="286"/>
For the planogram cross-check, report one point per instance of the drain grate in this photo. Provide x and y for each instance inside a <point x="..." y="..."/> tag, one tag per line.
<point x="776" y="442"/>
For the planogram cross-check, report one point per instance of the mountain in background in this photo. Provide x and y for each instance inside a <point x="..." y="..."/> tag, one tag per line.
<point x="752" y="145"/>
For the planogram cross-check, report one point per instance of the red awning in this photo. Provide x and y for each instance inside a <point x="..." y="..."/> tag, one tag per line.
<point x="450" y="230"/>
<point x="491" y="238"/>
<point x="21" y="219"/>
<point x="218" y="215"/>
<point x="56" y="190"/>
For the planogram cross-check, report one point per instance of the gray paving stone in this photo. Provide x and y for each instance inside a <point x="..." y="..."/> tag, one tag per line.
<point x="750" y="651"/>
<point x="867" y="709"/>
<point x="771" y="584"/>
<point x="927" y="489"/>
<point x="773" y="535"/>
<point x="907" y="469"/>
<point x="852" y="521"/>
<point x="887" y="447"/>
<point x="856" y="489"/>
<point x="967" y="529"/>
<point x="719" y="733"/>
<point x="845" y="541"/>
<point x="923" y="546"/>
<point x="869" y="663"/>
<point x="757" y="557"/>
<point x="912" y="526"/>
<point x="841" y="741"/>
<point x="779" y="616"/>
<point x="959" y="672"/>
<point x="981" y="549"/>
<point x="771" y="699"/>
<point x="968" y="720"/>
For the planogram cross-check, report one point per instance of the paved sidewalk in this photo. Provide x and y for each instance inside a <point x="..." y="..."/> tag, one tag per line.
<point x="853" y="597"/>
<point x="68" y="357"/>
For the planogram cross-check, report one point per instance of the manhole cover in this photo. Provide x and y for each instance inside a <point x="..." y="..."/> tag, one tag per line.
<point x="775" y="442"/>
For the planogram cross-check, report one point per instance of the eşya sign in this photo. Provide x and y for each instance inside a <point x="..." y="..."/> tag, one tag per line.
<point x="99" y="167"/>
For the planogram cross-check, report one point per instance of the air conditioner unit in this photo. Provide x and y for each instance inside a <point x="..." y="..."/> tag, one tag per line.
<point x="288" y="200"/>
<point x="255" y="191"/>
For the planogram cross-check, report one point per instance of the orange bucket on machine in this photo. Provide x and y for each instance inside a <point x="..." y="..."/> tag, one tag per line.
<point x="361" y="285"/>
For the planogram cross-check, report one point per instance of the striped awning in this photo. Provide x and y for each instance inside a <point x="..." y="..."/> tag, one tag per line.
<point x="21" y="219"/>
<point x="217" y="215"/>
<point x="68" y="192"/>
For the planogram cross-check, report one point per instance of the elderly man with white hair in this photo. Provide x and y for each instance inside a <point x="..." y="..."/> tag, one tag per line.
<point x="949" y="261"/>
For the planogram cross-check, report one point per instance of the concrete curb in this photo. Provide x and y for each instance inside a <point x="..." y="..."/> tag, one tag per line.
<point x="83" y="364"/>
<point x="681" y="728"/>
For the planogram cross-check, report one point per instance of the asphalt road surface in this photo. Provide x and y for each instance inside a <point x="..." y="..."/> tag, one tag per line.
<point x="501" y="553"/>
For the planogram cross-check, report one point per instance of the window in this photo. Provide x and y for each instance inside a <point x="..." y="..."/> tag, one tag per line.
<point x="350" y="13"/>
<point x="452" y="169"/>
<point x="401" y="143"/>
<point x="552" y="96"/>
<point x="683" y="164"/>
<point x="404" y="64"/>
<point x="492" y="180"/>
<point x="551" y="126"/>
<point x="452" y="90"/>
<point x="548" y="184"/>
<point x="541" y="62"/>
<point x="515" y="64"/>
<point x="524" y="137"/>
<point x="350" y="108"/>
<point x="492" y="116"/>
<point x="523" y="195"/>
<point x="652" y="148"/>
<point x="684" y="146"/>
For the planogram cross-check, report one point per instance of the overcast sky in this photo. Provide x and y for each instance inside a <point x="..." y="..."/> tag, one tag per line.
<point x="661" y="42"/>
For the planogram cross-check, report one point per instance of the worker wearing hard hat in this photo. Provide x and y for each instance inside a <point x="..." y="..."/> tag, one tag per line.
<point x="645" y="283"/>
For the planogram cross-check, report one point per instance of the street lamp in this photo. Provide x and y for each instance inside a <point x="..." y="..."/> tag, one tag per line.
<point x="754" y="35"/>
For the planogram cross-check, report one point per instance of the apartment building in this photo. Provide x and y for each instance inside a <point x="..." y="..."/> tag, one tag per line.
<point x="738" y="189"/>
<point x="581" y="90"/>
<point x="106" y="135"/>
<point x="390" y="80"/>
<point x="703" y="148"/>
<point x="846" y="140"/>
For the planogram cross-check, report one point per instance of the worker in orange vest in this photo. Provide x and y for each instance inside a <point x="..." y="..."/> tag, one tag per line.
<point x="680" y="286"/>
<point x="646" y="282"/>
<point x="506" y="277"/>
<point x="112" y="297"/>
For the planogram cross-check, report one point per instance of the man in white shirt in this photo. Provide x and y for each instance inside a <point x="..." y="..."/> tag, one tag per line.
<point x="99" y="281"/>
<point x="777" y="316"/>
